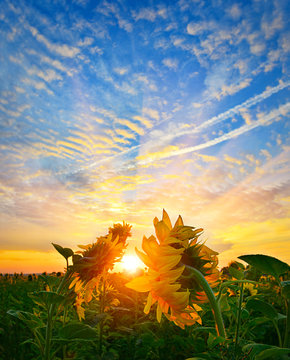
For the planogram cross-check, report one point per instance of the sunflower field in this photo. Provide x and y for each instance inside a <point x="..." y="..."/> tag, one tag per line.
<point x="181" y="306"/>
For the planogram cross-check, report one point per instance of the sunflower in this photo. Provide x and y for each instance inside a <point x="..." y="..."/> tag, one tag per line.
<point x="168" y="279"/>
<point x="95" y="260"/>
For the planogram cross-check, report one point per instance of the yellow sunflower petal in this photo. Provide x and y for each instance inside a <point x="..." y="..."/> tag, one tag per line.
<point x="143" y="257"/>
<point x="173" y="275"/>
<point x="162" y="231"/>
<point x="155" y="221"/>
<point x="179" y="221"/>
<point x="150" y="245"/>
<point x="169" y="250"/>
<point x="78" y="285"/>
<point x="158" y="313"/>
<point x="148" y="304"/>
<point x="72" y="284"/>
<point x="141" y="284"/>
<point x="166" y="219"/>
<point x="169" y="263"/>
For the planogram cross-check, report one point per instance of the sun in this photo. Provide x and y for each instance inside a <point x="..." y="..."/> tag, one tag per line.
<point x="131" y="263"/>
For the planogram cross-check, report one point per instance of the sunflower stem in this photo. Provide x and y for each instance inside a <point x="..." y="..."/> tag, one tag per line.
<point x="50" y="312"/>
<point x="212" y="300"/>
<point x="238" y="320"/>
<point x="102" y="309"/>
<point x="287" y="330"/>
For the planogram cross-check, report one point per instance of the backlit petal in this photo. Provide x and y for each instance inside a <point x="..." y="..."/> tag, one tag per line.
<point x="179" y="221"/>
<point x="162" y="231"/>
<point x="166" y="219"/>
<point x="141" y="284"/>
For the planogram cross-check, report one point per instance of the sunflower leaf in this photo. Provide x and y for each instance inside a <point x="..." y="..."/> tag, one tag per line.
<point x="65" y="252"/>
<point x="266" y="309"/>
<point x="266" y="264"/>
<point x="75" y="331"/>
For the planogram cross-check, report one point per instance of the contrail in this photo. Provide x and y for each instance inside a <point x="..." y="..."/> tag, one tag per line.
<point x="233" y="111"/>
<point x="283" y="109"/>
<point x="212" y="121"/>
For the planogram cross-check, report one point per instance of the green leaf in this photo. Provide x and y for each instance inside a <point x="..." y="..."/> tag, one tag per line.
<point x="209" y="329"/>
<point x="257" y="321"/>
<point x="245" y="314"/>
<point x="65" y="252"/>
<point x="201" y="356"/>
<point x="255" y="348"/>
<point x="281" y="316"/>
<point x="237" y="274"/>
<point x="28" y="318"/>
<point x="266" y="264"/>
<point x="46" y="298"/>
<point x="77" y="331"/>
<point x="286" y="289"/>
<point x="273" y="351"/>
<point x="213" y="340"/>
<point x="266" y="309"/>
<point x="224" y="305"/>
<point x="264" y="351"/>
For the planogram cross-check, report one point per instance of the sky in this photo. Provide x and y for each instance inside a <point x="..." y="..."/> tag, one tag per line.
<point x="114" y="110"/>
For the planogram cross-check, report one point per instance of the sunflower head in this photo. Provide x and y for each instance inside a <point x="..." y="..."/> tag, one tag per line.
<point x="99" y="257"/>
<point x="122" y="231"/>
<point x="95" y="260"/>
<point x="205" y="260"/>
<point x="167" y="280"/>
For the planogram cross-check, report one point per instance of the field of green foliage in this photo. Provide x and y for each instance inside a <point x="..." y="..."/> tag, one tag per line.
<point x="127" y="333"/>
<point x="180" y="307"/>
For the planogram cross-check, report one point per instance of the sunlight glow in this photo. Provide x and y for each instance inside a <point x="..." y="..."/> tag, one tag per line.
<point x="131" y="263"/>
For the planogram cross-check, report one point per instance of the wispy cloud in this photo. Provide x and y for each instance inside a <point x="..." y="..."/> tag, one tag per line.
<point x="63" y="50"/>
<point x="263" y="121"/>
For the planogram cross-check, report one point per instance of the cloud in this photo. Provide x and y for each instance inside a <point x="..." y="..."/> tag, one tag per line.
<point x="125" y="24"/>
<point x="233" y="88"/>
<point x="144" y="121"/>
<point x="38" y="85"/>
<point x="197" y="28"/>
<point x="131" y="125"/>
<point x="154" y="156"/>
<point x="235" y="110"/>
<point x="234" y="11"/>
<point x="121" y="70"/>
<point x="52" y="62"/>
<point x="47" y="75"/>
<point x="232" y="160"/>
<point x="264" y="120"/>
<point x="63" y="50"/>
<point x="272" y="22"/>
<point x="125" y="133"/>
<point x="87" y="41"/>
<point x="154" y="114"/>
<point x="149" y="14"/>
<point x="170" y="63"/>
<point x="17" y="60"/>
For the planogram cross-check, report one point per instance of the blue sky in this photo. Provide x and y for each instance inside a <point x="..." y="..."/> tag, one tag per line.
<point x="111" y="111"/>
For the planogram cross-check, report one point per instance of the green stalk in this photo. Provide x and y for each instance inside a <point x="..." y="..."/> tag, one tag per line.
<point x="278" y="332"/>
<point x="287" y="330"/>
<point x="239" y="320"/>
<point x="50" y="312"/>
<point x="102" y="307"/>
<point x="212" y="300"/>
